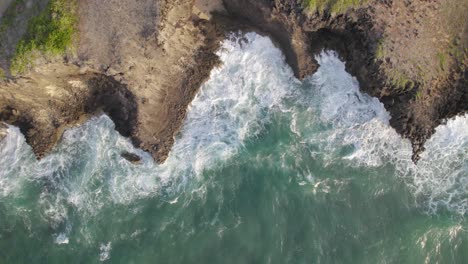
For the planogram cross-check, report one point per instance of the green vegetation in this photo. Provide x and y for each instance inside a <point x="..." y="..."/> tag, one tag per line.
<point x="49" y="34"/>
<point x="457" y="51"/>
<point x="2" y="74"/>
<point x="421" y="73"/>
<point x="10" y="15"/>
<point x="442" y="61"/>
<point x="334" y="6"/>
<point x="401" y="81"/>
<point x="419" y="94"/>
<point x="380" y="53"/>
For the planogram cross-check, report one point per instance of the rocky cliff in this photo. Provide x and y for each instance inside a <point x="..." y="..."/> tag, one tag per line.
<point x="143" y="62"/>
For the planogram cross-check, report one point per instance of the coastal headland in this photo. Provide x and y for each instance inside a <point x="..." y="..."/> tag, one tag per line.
<point x="143" y="62"/>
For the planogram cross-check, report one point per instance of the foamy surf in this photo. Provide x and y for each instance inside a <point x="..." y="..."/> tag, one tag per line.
<point x="85" y="170"/>
<point x="327" y="113"/>
<point x="15" y="159"/>
<point x="441" y="176"/>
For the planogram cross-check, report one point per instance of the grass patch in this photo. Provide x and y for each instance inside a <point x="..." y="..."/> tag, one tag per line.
<point x="457" y="50"/>
<point x="442" y="61"/>
<point x="2" y="74"/>
<point x="400" y="81"/>
<point x="379" y="52"/>
<point x="334" y="6"/>
<point x="49" y="34"/>
<point x="419" y="94"/>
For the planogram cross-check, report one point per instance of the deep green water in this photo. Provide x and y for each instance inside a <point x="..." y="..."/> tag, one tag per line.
<point x="267" y="169"/>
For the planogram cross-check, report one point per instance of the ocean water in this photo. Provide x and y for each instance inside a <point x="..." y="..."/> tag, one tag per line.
<point x="267" y="169"/>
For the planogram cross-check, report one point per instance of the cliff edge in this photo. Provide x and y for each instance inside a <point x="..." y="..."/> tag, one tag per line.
<point x="142" y="63"/>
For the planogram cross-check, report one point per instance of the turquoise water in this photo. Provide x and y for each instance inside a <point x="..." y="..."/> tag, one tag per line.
<point x="267" y="169"/>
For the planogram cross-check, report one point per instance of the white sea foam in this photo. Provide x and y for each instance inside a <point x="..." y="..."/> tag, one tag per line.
<point x="85" y="170"/>
<point x="61" y="238"/>
<point x="15" y="159"/>
<point x="234" y="104"/>
<point x="441" y="176"/>
<point x="341" y="101"/>
<point x="104" y="251"/>
<point x="442" y="173"/>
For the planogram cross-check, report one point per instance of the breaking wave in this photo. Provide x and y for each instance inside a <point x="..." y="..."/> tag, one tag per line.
<point x="86" y="172"/>
<point x="440" y="178"/>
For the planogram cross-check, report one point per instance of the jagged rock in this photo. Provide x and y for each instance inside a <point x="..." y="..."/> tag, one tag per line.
<point x="132" y="157"/>
<point x="159" y="52"/>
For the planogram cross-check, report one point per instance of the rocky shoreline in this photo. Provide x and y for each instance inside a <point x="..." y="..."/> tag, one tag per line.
<point x="144" y="64"/>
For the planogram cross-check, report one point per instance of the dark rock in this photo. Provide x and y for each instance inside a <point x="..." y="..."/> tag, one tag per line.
<point x="132" y="157"/>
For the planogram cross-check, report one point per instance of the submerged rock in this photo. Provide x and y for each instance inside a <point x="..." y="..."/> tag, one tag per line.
<point x="132" y="157"/>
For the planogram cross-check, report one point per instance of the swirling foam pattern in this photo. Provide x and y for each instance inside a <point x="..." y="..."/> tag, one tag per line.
<point x="327" y="126"/>
<point x="233" y="106"/>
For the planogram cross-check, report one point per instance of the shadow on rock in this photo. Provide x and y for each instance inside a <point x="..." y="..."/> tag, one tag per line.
<point x="116" y="100"/>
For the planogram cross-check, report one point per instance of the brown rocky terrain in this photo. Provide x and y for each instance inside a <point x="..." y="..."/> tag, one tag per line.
<point x="58" y="96"/>
<point x="142" y="63"/>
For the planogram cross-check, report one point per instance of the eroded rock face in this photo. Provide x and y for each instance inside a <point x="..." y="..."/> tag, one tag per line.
<point x="282" y="22"/>
<point x="57" y="96"/>
<point x="417" y="106"/>
<point x="143" y="65"/>
<point x="41" y="103"/>
<point x="115" y="99"/>
<point x="162" y="51"/>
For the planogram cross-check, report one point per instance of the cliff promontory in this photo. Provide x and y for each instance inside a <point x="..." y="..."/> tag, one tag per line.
<point x="142" y="62"/>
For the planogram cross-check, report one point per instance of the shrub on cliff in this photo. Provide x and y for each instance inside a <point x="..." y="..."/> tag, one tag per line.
<point x="334" y="6"/>
<point x="49" y="34"/>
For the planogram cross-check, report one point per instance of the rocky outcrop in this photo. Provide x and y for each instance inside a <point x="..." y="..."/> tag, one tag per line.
<point x="143" y="65"/>
<point x="131" y="157"/>
<point x="417" y="104"/>
<point x="47" y="102"/>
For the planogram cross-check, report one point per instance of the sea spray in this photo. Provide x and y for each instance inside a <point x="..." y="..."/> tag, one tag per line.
<point x="86" y="171"/>
<point x="16" y="159"/>
<point x="441" y="176"/>
<point x="264" y="162"/>
<point x="233" y="106"/>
